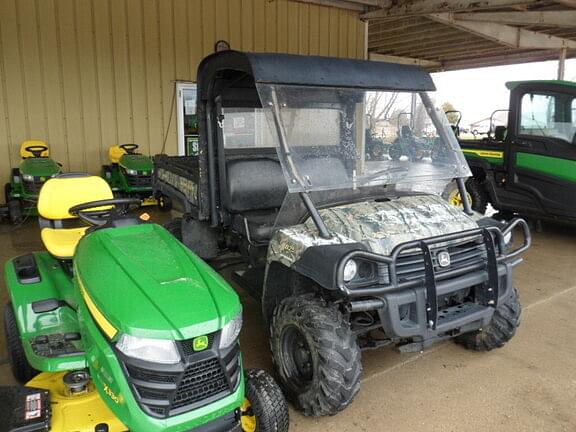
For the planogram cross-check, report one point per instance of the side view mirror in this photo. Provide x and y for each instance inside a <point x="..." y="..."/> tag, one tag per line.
<point x="500" y="133"/>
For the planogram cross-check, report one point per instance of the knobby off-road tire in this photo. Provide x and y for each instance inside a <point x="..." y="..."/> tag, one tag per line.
<point x="21" y="369"/>
<point x="476" y="192"/>
<point x="501" y="329"/>
<point x="316" y="355"/>
<point x="174" y="227"/>
<point x="267" y="404"/>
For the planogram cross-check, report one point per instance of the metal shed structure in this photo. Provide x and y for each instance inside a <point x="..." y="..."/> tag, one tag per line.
<point x="458" y="34"/>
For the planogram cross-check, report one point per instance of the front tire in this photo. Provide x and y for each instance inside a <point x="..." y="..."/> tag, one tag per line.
<point x="15" y="211"/>
<point x="395" y="152"/>
<point x="164" y="203"/>
<point x="264" y="408"/>
<point x="316" y="355"/>
<point x="21" y="369"/>
<point x="501" y="329"/>
<point x="174" y="227"/>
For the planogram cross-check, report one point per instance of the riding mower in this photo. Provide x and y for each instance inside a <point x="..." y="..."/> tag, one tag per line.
<point x="25" y="182"/>
<point x="130" y="175"/>
<point x="406" y="144"/>
<point x="119" y="327"/>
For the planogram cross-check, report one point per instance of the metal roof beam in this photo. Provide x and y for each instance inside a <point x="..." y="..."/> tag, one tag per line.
<point x="404" y="60"/>
<point x="403" y="8"/>
<point x="513" y="37"/>
<point x="546" y="18"/>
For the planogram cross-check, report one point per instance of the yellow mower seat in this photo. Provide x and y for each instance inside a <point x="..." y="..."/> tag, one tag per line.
<point x="28" y="154"/>
<point x="115" y="153"/>
<point x="56" y="197"/>
<point x="62" y="242"/>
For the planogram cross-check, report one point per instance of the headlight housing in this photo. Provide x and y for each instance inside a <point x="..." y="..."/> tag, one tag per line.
<point x="231" y="331"/>
<point x="152" y="350"/>
<point x="350" y="270"/>
<point x="131" y="172"/>
<point x="28" y="177"/>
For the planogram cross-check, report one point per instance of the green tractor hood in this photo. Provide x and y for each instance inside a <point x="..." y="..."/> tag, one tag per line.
<point x="141" y="281"/>
<point x="136" y="162"/>
<point x="39" y="167"/>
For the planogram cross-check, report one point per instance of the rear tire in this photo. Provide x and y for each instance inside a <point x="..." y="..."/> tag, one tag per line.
<point x="15" y="211"/>
<point x="501" y="329"/>
<point x="21" y="369"/>
<point x="164" y="203"/>
<point x="316" y="355"/>
<point x="265" y="408"/>
<point x="174" y="227"/>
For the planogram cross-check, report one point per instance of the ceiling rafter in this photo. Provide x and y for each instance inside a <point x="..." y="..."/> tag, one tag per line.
<point x="546" y="18"/>
<point x="513" y="37"/>
<point x="394" y="8"/>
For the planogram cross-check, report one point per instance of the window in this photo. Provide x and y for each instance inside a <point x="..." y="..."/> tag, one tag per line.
<point x="245" y="128"/>
<point x="548" y="115"/>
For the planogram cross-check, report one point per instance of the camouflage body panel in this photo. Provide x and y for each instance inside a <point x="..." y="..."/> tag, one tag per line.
<point x="184" y="185"/>
<point x="380" y="226"/>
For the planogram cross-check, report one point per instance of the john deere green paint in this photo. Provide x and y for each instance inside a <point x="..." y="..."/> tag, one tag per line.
<point x="529" y="166"/>
<point x="129" y="174"/>
<point x="36" y="167"/>
<point x="121" y="325"/>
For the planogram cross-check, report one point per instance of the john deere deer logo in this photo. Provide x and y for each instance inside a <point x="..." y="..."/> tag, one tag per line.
<point x="200" y="343"/>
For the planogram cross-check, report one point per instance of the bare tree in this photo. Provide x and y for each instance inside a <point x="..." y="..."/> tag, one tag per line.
<point x="378" y="106"/>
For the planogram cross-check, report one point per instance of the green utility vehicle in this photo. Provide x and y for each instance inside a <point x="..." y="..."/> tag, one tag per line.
<point x="130" y="175"/>
<point x="25" y="182"/>
<point x="118" y="326"/>
<point x="342" y="253"/>
<point x="529" y="167"/>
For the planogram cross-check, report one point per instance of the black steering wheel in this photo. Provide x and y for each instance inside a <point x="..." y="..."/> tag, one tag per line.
<point x="36" y="150"/>
<point x="99" y="218"/>
<point x="129" y="148"/>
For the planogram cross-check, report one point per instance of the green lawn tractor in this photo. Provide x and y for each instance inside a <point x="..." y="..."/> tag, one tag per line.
<point x="119" y="327"/>
<point x="25" y="182"/>
<point x="130" y="175"/>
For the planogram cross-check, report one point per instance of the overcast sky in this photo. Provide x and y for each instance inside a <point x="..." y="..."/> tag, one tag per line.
<point x="478" y="92"/>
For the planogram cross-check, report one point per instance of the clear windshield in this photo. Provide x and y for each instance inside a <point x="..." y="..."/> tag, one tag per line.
<point x="333" y="138"/>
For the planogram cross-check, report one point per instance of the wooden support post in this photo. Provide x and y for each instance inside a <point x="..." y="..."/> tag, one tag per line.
<point x="561" y="63"/>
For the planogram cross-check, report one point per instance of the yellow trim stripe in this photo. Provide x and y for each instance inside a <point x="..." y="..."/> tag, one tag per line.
<point x="100" y="319"/>
<point x="486" y="153"/>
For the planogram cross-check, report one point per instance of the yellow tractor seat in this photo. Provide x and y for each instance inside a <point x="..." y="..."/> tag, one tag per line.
<point x="115" y="153"/>
<point x="62" y="242"/>
<point x="57" y="196"/>
<point x="30" y="143"/>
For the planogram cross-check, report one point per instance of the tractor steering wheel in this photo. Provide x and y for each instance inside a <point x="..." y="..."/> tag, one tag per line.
<point x="36" y="150"/>
<point x="129" y="148"/>
<point x="99" y="218"/>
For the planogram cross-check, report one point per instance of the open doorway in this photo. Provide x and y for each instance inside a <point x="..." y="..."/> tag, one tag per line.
<point x="186" y="118"/>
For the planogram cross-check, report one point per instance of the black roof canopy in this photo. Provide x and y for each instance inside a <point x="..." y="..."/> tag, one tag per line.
<point x="241" y="69"/>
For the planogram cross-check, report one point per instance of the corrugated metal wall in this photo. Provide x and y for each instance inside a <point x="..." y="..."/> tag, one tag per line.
<point x="85" y="74"/>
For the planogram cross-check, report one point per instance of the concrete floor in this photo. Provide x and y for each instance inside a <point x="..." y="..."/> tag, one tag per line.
<point x="529" y="385"/>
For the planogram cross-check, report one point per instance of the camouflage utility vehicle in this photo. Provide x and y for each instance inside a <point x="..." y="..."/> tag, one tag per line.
<point x="344" y="254"/>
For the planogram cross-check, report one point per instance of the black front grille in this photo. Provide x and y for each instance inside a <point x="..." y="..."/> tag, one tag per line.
<point x="203" y="377"/>
<point x="139" y="180"/>
<point x="33" y="187"/>
<point x="463" y="255"/>
<point x="200" y="381"/>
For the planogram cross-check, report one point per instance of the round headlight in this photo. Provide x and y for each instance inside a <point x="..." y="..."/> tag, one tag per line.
<point x="350" y="270"/>
<point x="131" y="172"/>
<point x="28" y="177"/>
<point x="152" y="350"/>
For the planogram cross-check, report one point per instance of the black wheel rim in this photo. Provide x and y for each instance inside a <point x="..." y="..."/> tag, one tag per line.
<point x="297" y="359"/>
